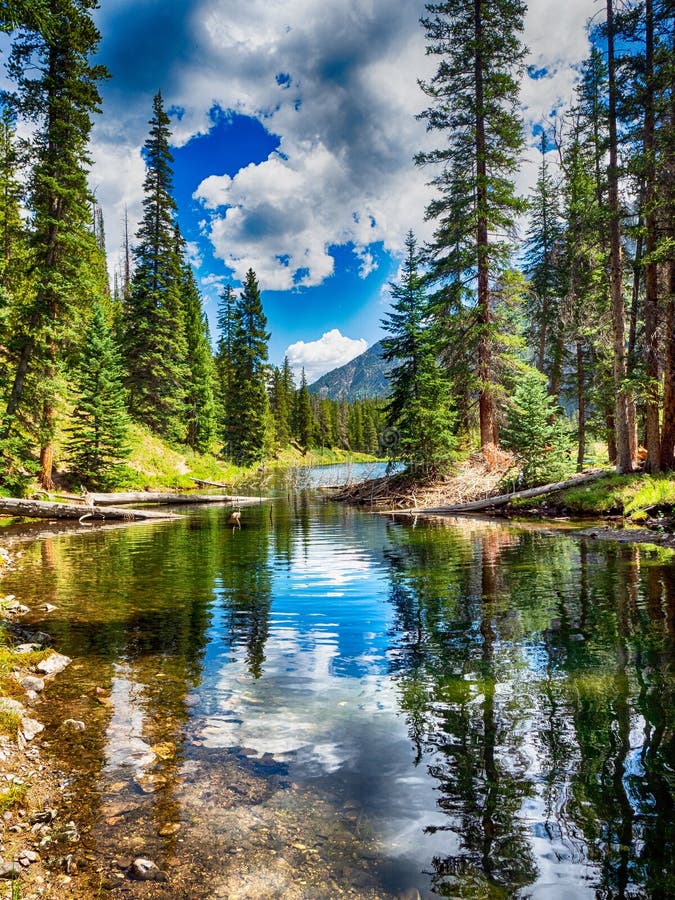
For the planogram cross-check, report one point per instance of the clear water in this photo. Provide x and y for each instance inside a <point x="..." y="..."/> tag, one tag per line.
<point x="328" y="703"/>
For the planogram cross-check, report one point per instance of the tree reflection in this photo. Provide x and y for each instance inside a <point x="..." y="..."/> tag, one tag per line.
<point x="536" y="675"/>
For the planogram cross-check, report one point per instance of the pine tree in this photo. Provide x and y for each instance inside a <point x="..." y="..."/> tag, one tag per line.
<point x="227" y="327"/>
<point x="474" y="96"/>
<point x="199" y="401"/>
<point x="14" y="259"/>
<point x="248" y="411"/>
<point x="542" y="267"/>
<point x="535" y="431"/>
<point x="304" y="416"/>
<point x="98" y="441"/>
<point x="419" y="404"/>
<point x="279" y="408"/>
<point x="154" y="327"/>
<point x="57" y="90"/>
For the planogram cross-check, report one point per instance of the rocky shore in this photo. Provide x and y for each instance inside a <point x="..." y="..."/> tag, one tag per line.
<point x="38" y="837"/>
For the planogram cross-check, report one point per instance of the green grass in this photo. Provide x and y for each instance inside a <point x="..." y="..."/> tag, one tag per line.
<point x="13" y="796"/>
<point x="636" y="496"/>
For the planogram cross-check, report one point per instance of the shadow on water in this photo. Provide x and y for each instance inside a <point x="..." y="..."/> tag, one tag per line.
<point x="326" y="702"/>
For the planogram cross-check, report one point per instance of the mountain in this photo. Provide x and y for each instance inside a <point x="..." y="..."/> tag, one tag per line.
<point x="365" y="376"/>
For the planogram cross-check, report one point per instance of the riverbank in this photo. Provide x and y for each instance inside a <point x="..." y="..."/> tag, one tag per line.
<point x="38" y="834"/>
<point x="623" y="501"/>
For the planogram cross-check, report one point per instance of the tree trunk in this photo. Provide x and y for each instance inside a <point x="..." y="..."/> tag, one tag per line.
<point x="488" y="428"/>
<point x="502" y="499"/>
<point x="41" y="509"/>
<point x="624" y="461"/>
<point x="668" y="431"/>
<point x="581" y="400"/>
<point x="652" y="428"/>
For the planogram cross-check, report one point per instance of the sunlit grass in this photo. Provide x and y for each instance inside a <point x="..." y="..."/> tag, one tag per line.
<point x="629" y="495"/>
<point x="14" y="796"/>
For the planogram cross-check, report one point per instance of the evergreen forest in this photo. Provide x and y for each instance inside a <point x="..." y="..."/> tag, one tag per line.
<point x="544" y="324"/>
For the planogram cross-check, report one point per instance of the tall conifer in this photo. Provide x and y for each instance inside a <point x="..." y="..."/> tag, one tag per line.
<point x="57" y="90"/>
<point x="100" y="422"/>
<point x="154" y="329"/>
<point x="248" y="414"/>
<point x="474" y="96"/>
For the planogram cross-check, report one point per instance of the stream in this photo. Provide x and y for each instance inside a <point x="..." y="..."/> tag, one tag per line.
<point x="330" y="703"/>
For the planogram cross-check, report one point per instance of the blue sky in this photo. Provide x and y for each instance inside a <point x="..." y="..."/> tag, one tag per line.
<point x="294" y="130"/>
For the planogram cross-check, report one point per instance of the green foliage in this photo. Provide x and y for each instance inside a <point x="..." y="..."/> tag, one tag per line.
<point x="59" y="102"/>
<point x="199" y="399"/>
<point x="420" y="391"/>
<point x="155" y="345"/>
<point x="98" y="439"/>
<point x="247" y="411"/>
<point x="304" y="417"/>
<point x="537" y="433"/>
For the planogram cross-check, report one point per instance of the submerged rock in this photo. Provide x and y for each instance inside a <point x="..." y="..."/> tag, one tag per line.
<point x="74" y="725"/>
<point x="146" y="870"/>
<point x="54" y="664"/>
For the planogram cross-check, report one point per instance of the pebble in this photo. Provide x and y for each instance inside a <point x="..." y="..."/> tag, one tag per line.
<point x="49" y="607"/>
<point x="146" y="870"/>
<point x="54" y="664"/>
<point x="9" y="870"/>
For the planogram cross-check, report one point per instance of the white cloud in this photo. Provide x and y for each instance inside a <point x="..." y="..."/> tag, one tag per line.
<point x="332" y="349"/>
<point x="337" y="81"/>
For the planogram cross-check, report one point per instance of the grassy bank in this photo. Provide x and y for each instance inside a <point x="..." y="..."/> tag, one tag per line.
<point x="155" y="465"/>
<point x="637" y="497"/>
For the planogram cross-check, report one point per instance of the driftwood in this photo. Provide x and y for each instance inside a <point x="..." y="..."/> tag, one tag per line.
<point x="502" y="499"/>
<point x="162" y="499"/>
<point x="41" y="509"/>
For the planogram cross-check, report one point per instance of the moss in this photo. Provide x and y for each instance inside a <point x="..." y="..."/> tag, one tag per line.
<point x="630" y="495"/>
<point x="9" y="722"/>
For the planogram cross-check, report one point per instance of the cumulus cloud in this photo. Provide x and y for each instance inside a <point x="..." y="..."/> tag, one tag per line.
<point x="337" y="81"/>
<point x="332" y="349"/>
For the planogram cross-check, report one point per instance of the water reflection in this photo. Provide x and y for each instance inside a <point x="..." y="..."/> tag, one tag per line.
<point x="328" y="701"/>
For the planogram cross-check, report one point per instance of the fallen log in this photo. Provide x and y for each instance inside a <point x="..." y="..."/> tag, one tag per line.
<point x="502" y="499"/>
<point x="42" y="509"/>
<point x="171" y="498"/>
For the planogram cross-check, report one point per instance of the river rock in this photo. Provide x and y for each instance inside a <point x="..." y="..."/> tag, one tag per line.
<point x="9" y="871"/>
<point x="32" y="683"/>
<point x="409" y="894"/>
<point x="146" y="870"/>
<point x="26" y="648"/>
<point x="42" y="638"/>
<point x="54" y="664"/>
<point x="49" y="607"/>
<point x="30" y="728"/>
<point x="26" y="857"/>
<point x="150" y="783"/>
<point x="74" y="725"/>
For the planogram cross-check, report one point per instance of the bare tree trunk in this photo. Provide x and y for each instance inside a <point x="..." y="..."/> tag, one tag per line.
<point x="622" y="425"/>
<point x="652" y="429"/>
<point x="668" y="431"/>
<point x="581" y="400"/>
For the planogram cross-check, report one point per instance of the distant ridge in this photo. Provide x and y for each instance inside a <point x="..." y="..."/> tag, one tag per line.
<point x="363" y="377"/>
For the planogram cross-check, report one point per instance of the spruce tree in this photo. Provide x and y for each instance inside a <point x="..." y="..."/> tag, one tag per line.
<point x="419" y="404"/>
<point x="14" y="259"/>
<point x="227" y="327"/>
<point x="542" y="267"/>
<point x="154" y="322"/>
<point x="56" y="90"/>
<point x="304" y="416"/>
<point x="199" y="402"/>
<point x="248" y="410"/>
<point x="98" y="441"/>
<point x="536" y="433"/>
<point x="474" y="96"/>
<point x="279" y="408"/>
